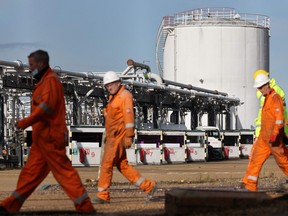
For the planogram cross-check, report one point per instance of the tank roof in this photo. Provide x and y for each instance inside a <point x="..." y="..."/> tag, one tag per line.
<point x="216" y="16"/>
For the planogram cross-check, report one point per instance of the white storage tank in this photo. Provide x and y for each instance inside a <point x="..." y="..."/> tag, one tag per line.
<point x="217" y="49"/>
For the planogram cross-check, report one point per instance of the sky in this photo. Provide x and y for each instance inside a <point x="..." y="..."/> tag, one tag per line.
<point x="101" y="35"/>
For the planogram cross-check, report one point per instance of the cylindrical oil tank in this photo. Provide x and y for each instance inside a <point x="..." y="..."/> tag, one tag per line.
<point x="217" y="49"/>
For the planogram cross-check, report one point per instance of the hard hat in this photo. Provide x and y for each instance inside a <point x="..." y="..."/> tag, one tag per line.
<point x="260" y="72"/>
<point x="110" y="77"/>
<point x="261" y="80"/>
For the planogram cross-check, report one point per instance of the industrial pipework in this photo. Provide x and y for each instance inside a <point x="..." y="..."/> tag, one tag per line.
<point x="159" y="104"/>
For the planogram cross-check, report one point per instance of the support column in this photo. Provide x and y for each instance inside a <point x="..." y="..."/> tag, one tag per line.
<point x="1" y="124"/>
<point x="155" y="117"/>
<point x="228" y="121"/>
<point x="145" y="114"/>
<point x="194" y="119"/>
<point x="75" y="109"/>
<point x="211" y="118"/>
<point x="174" y="117"/>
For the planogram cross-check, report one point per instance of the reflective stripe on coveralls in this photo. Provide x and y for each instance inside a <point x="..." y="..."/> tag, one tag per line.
<point x="101" y="189"/>
<point x="119" y="124"/>
<point x="254" y="178"/>
<point x="279" y="121"/>
<point x="139" y="182"/>
<point x="272" y="124"/>
<point x="19" y="197"/>
<point x="80" y="199"/>
<point x="45" y="108"/>
<point x="129" y="125"/>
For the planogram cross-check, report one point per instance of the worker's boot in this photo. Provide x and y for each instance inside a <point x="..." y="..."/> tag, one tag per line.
<point x="151" y="193"/>
<point x="2" y="166"/>
<point x="241" y="187"/>
<point x="284" y="186"/>
<point x="97" y="200"/>
<point x="2" y="210"/>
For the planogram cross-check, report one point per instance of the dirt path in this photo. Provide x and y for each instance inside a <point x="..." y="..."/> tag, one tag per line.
<point x="128" y="200"/>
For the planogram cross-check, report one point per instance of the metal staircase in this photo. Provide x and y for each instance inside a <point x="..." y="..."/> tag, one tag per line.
<point x="166" y="27"/>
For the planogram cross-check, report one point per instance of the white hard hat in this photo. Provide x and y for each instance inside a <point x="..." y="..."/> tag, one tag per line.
<point x="110" y="77"/>
<point x="260" y="80"/>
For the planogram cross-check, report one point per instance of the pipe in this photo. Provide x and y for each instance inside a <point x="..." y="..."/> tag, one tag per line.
<point x="169" y="82"/>
<point x="16" y="64"/>
<point x="153" y="76"/>
<point x="140" y="84"/>
<point x="140" y="65"/>
<point x="127" y="70"/>
<point x="89" y="75"/>
<point x="146" y="76"/>
<point x="150" y="75"/>
<point x="192" y="93"/>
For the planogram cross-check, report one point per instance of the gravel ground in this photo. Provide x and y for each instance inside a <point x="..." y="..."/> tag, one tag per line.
<point x="49" y="198"/>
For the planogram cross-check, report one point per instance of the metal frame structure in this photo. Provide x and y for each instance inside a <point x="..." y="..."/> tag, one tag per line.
<point x="159" y="104"/>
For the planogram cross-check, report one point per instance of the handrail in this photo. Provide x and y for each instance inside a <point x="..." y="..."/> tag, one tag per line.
<point x="215" y="14"/>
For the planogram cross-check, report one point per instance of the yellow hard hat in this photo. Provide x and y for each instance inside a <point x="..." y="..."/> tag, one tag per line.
<point x="260" y="72"/>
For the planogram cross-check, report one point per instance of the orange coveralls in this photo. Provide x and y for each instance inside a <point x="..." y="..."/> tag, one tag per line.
<point x="272" y="125"/>
<point x="119" y="124"/>
<point x="48" y="149"/>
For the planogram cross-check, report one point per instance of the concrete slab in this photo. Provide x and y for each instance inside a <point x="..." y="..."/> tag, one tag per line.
<point x="183" y="201"/>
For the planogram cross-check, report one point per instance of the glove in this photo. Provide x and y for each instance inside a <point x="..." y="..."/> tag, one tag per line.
<point x="128" y="142"/>
<point x="272" y="138"/>
<point x="16" y="127"/>
<point x="20" y="124"/>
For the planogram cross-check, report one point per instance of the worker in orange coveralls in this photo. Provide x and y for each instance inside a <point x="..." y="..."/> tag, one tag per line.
<point x="270" y="137"/>
<point x="119" y="124"/>
<point x="49" y="140"/>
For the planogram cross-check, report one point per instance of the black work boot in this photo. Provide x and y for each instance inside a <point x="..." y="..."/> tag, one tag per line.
<point x="2" y="210"/>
